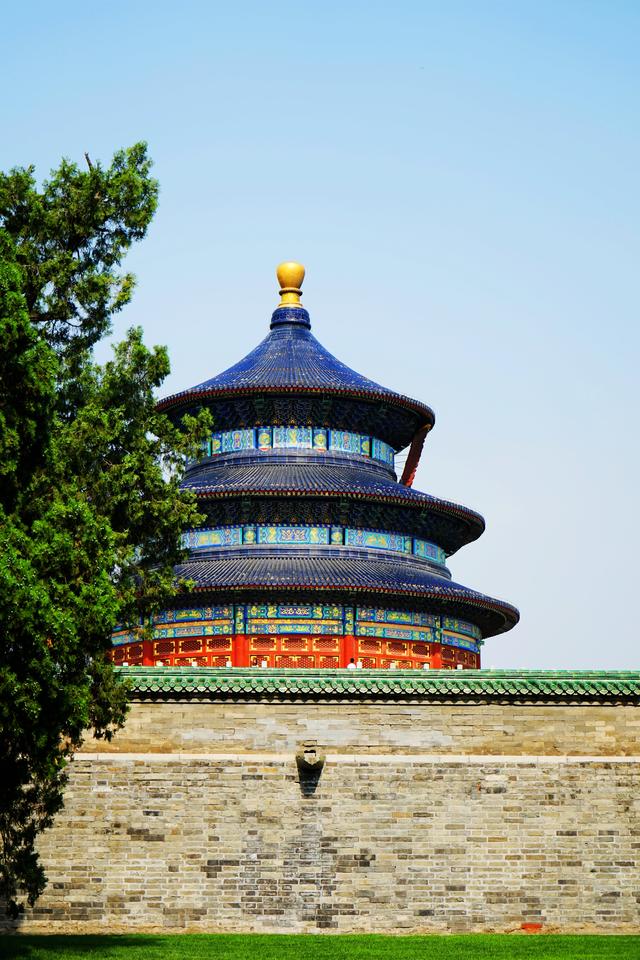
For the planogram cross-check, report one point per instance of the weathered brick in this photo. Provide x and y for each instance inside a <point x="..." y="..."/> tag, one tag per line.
<point x="425" y="817"/>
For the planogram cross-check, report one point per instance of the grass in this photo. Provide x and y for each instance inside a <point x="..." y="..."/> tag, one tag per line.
<point x="300" y="947"/>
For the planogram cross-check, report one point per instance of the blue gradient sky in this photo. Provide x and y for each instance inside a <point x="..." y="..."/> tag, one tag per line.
<point x="461" y="181"/>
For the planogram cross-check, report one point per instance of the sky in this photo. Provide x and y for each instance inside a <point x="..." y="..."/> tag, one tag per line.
<point x="461" y="181"/>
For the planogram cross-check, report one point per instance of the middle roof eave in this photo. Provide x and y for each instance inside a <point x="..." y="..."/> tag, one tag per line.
<point x="308" y="479"/>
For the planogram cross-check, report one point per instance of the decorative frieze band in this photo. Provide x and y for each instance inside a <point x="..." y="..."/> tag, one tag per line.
<point x="310" y="619"/>
<point x="319" y="439"/>
<point x="205" y="539"/>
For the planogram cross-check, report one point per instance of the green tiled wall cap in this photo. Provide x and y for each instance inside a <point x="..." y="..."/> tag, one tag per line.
<point x="234" y="683"/>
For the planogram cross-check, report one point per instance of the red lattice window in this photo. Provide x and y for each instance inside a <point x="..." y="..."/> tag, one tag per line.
<point x="306" y="661"/>
<point x="286" y="662"/>
<point x="218" y="661"/>
<point x="262" y="643"/>
<point x="369" y="645"/>
<point x="190" y="646"/>
<point x="325" y="643"/>
<point x="395" y="646"/>
<point x="219" y="643"/>
<point x="369" y="662"/>
<point x="118" y="654"/>
<point x="295" y="643"/>
<point x="329" y="662"/>
<point x="135" y="650"/>
<point x="164" y="646"/>
<point x="421" y="649"/>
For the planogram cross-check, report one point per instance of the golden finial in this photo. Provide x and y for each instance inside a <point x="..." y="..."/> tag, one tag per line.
<point x="290" y="276"/>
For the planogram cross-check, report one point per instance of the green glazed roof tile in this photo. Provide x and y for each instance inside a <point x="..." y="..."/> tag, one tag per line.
<point x="241" y="683"/>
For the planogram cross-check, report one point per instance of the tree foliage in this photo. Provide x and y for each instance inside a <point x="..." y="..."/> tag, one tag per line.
<point x="91" y="511"/>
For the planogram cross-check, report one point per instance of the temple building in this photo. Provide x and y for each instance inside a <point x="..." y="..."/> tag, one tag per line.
<point x="314" y="553"/>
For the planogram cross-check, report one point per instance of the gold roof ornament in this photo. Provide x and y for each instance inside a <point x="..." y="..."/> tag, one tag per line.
<point x="290" y="276"/>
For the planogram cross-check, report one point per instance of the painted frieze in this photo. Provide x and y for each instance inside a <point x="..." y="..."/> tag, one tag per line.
<point x="319" y="439"/>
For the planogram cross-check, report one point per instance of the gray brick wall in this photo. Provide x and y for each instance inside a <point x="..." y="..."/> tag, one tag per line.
<point x="195" y="818"/>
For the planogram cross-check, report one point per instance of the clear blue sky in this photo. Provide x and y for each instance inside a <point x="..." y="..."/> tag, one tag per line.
<point x="461" y="181"/>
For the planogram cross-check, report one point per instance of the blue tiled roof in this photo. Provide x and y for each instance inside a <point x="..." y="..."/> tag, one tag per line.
<point x="225" y="479"/>
<point x="291" y="359"/>
<point x="342" y="574"/>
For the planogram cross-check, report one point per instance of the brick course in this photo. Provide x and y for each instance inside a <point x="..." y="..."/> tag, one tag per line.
<point x="444" y="817"/>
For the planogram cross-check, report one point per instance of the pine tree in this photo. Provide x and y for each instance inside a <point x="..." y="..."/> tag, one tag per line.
<point x="91" y="512"/>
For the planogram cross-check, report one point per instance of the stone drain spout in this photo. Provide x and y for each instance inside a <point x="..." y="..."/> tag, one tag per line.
<point x="310" y="762"/>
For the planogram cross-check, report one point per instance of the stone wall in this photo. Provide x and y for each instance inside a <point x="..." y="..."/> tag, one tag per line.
<point x="426" y="816"/>
<point x="364" y="728"/>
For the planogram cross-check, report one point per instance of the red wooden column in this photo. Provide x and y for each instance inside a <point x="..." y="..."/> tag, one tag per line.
<point x="240" y="650"/>
<point x="347" y="649"/>
<point x="148" y="659"/>
<point x="436" y="656"/>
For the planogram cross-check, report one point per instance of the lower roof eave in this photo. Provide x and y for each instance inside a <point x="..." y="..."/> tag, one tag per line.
<point x="474" y="522"/>
<point x="491" y="616"/>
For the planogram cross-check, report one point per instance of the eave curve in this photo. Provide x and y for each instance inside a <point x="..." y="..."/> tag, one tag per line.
<point x="310" y="480"/>
<point x="342" y="577"/>
<point x="290" y="361"/>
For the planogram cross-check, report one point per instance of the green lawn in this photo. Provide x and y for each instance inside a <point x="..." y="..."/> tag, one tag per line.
<point x="287" y="947"/>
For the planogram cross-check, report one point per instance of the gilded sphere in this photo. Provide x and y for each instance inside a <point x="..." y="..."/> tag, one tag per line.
<point x="290" y="275"/>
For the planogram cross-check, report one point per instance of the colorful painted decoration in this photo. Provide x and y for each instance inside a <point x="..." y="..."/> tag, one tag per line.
<point x="382" y="451"/>
<point x="292" y="438"/>
<point x="397" y="616"/>
<point x="395" y="633"/>
<point x="375" y="539"/>
<point x="301" y="534"/>
<point x="460" y="626"/>
<point x="307" y="619"/>
<point x="293" y="535"/>
<point x="455" y="641"/>
<point x="310" y="611"/>
<point x="320" y="439"/>
<point x="265" y="438"/>
<point x="197" y="613"/>
<point x="234" y="440"/>
<point x="301" y="627"/>
<point x="430" y="551"/>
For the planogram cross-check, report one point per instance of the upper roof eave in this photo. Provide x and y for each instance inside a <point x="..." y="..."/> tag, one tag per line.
<point x="186" y="397"/>
<point x="290" y="361"/>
